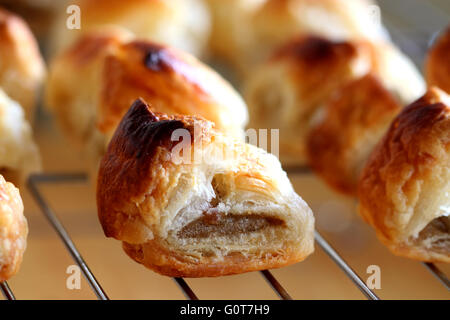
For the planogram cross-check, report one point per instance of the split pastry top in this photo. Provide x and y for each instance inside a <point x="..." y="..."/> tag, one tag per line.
<point x="19" y="155"/>
<point x="289" y="90"/>
<point x="404" y="190"/>
<point x="93" y="83"/>
<point x="187" y="200"/>
<point x="22" y="68"/>
<point x="184" y="24"/>
<point x="13" y="230"/>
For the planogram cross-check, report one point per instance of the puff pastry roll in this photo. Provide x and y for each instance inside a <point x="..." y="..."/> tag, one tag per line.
<point x="92" y="84"/>
<point x="19" y="155"/>
<point x="13" y="230"/>
<point x="22" y="69"/>
<point x="437" y="65"/>
<point x="291" y="88"/>
<point x="353" y="121"/>
<point x="210" y="205"/>
<point x="404" y="190"/>
<point x="184" y="24"/>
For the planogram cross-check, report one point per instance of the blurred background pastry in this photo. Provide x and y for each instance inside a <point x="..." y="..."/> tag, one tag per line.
<point x="39" y="14"/>
<point x="22" y="68"/>
<point x="352" y="123"/>
<point x="246" y="32"/>
<point x="285" y="92"/>
<point x="437" y="64"/>
<point x="289" y="90"/>
<point x="19" y="155"/>
<point x="184" y="24"/>
<point x="277" y="21"/>
<point x="404" y="188"/>
<point x="231" y="33"/>
<point x="92" y="84"/>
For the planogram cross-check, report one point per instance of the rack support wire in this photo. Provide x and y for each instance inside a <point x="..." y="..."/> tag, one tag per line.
<point x="59" y="228"/>
<point x="435" y="271"/>
<point x="329" y="250"/>
<point x="188" y="293"/>
<point x="276" y="286"/>
<point x="33" y="182"/>
<point x="6" y="291"/>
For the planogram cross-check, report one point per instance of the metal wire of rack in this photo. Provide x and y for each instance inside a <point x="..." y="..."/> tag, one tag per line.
<point x="35" y="180"/>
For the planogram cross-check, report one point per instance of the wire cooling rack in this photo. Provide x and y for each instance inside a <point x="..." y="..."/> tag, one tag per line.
<point x="411" y="29"/>
<point x="36" y="180"/>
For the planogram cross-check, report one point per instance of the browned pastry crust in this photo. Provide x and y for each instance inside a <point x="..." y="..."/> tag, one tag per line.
<point x="13" y="230"/>
<point x="404" y="190"/>
<point x="352" y="123"/>
<point x="437" y="65"/>
<point x="22" y="69"/>
<point x="213" y="217"/>
<point x="92" y="84"/>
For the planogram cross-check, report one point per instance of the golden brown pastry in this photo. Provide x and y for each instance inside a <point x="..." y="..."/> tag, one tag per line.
<point x="13" y="230"/>
<point x="437" y="66"/>
<point x="184" y="24"/>
<point x="22" y="69"/>
<point x="404" y="190"/>
<point x="91" y="86"/>
<point x="289" y="89"/>
<point x="353" y="121"/>
<point x="207" y="205"/>
<point x="19" y="155"/>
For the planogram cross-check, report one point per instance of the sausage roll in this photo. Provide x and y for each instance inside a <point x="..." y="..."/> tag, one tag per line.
<point x="19" y="155"/>
<point x="189" y="201"/>
<point x="13" y="230"/>
<point x="22" y="69"/>
<point x="184" y="24"/>
<point x="404" y="190"/>
<point x="353" y="121"/>
<point x="289" y="90"/>
<point x="92" y="85"/>
<point x="437" y="65"/>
